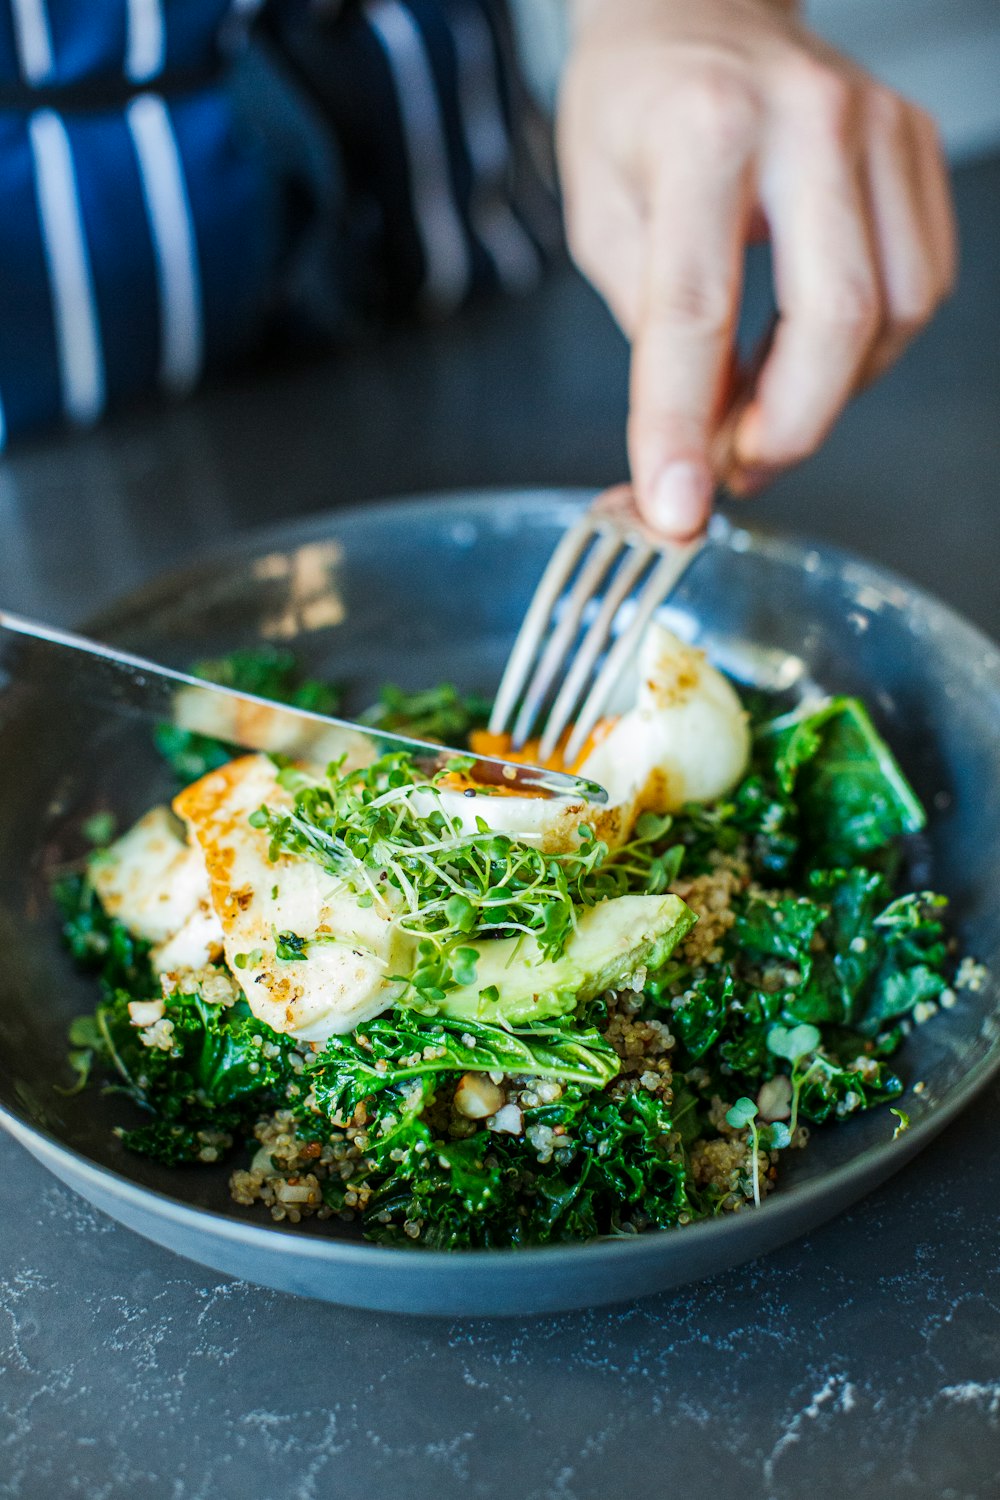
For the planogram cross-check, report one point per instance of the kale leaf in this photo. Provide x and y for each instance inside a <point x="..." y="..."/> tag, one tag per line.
<point x="98" y="942"/>
<point x="855" y="956"/>
<point x="829" y="1089"/>
<point x="217" y="1068"/>
<point x="852" y="796"/>
<point x="618" y="1167"/>
<point x="397" y="1048"/>
<point x="701" y="1014"/>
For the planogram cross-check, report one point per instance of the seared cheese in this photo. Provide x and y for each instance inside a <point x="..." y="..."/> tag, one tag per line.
<point x="262" y="726"/>
<point x="353" y="952"/>
<point x="150" y="879"/>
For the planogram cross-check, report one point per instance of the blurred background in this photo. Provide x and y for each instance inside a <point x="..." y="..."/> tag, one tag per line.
<point x="945" y="54"/>
<point x="532" y="390"/>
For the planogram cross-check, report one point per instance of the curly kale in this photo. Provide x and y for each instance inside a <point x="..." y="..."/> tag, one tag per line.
<point x="205" y="1076"/>
<point x="393" y="1050"/>
<point x="823" y="804"/>
<point x="824" y="962"/>
<point x="618" y="1166"/>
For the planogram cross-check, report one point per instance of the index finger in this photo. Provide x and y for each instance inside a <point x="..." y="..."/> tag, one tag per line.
<point x="683" y="345"/>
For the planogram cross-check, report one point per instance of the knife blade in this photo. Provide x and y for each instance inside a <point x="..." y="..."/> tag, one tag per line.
<point x="69" y="668"/>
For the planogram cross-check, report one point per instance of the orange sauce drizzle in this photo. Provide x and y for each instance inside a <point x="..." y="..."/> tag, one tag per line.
<point x="482" y="742"/>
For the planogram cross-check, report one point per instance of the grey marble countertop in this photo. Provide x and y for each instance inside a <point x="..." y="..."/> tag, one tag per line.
<point x="862" y="1362"/>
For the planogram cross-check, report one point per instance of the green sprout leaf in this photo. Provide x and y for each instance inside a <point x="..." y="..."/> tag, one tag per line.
<point x="793" y="1043"/>
<point x="744" y="1113"/>
<point x="288" y="947"/>
<point x="741" y="1113"/>
<point x="81" y="1060"/>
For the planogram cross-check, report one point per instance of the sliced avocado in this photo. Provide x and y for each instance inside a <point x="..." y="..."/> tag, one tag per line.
<point x="611" y="943"/>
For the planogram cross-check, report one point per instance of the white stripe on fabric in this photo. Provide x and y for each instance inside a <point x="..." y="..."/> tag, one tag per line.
<point x="172" y="231"/>
<point x="145" y="40"/>
<point x="32" y="39"/>
<point x="496" y="225"/>
<point x="71" y="287"/>
<point x="442" y="235"/>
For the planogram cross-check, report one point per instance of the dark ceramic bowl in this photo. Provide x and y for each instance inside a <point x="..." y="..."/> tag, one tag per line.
<point x="432" y="588"/>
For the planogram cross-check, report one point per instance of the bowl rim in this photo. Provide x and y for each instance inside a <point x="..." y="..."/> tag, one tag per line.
<point x="868" y="1167"/>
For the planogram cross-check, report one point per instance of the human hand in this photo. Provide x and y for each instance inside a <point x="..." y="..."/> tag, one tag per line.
<point x="688" y="128"/>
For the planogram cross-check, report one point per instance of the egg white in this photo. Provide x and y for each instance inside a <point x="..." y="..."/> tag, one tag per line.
<point x="682" y="738"/>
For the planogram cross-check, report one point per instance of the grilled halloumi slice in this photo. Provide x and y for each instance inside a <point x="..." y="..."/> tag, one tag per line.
<point x="263" y="726"/>
<point x="194" y="945"/>
<point x="150" y="879"/>
<point x="155" y="884"/>
<point x="351" y="952"/>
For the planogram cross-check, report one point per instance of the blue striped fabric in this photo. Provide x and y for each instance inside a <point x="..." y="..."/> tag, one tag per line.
<point x="155" y="212"/>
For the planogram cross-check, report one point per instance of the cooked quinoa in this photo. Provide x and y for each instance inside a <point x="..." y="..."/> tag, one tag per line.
<point x="772" y="996"/>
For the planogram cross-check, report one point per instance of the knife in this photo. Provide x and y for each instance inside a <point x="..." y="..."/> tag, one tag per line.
<point x="72" y="670"/>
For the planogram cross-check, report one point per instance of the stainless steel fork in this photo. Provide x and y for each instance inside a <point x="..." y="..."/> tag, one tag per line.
<point x="608" y="547"/>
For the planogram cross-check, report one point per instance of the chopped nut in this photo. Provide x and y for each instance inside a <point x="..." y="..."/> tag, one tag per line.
<point x="507" y="1121"/>
<point x="145" y="1012"/>
<point x="477" y="1096"/>
<point x="774" y="1100"/>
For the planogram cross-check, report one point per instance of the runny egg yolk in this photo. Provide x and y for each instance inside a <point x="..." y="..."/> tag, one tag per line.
<point x="482" y="742"/>
<point x="500" y="746"/>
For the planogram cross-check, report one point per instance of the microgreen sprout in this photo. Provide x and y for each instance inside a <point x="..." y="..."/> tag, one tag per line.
<point x="904" y="1122"/>
<point x="744" y="1113"/>
<point x="458" y="765"/>
<point x="795" y="1044"/>
<point x="86" y="1037"/>
<point x="646" y="863"/>
<point x="101" y="1017"/>
<point x="386" y="832"/>
<point x="289" y="946"/>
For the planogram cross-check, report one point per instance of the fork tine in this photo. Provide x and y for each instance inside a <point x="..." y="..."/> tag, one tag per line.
<point x="585" y="585"/>
<point x="634" y="562"/>
<point x="661" y="581"/>
<point x="532" y="631"/>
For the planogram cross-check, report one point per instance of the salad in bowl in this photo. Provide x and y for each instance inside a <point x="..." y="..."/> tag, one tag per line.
<point x="460" y="1017"/>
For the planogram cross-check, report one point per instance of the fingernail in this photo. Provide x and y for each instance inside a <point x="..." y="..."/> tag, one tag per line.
<point x="682" y="499"/>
